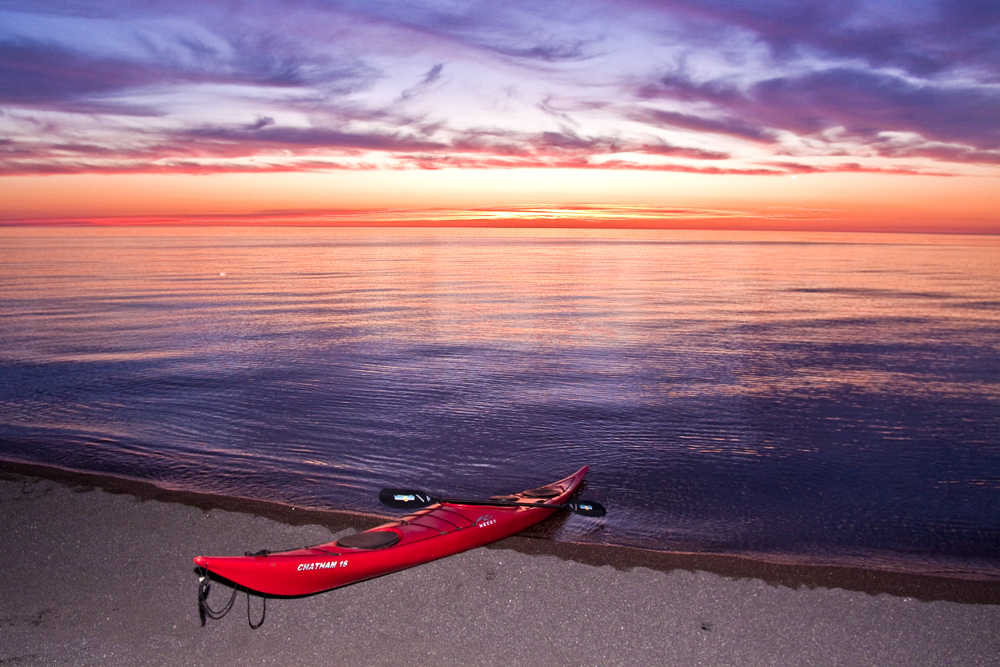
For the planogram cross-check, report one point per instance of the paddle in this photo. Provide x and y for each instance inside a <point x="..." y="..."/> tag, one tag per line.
<point x="408" y="499"/>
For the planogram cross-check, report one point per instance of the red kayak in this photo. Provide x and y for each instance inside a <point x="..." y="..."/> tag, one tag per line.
<point x="442" y="529"/>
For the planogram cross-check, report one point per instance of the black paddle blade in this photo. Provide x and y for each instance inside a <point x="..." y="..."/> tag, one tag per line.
<point x="586" y="508"/>
<point x="202" y="595"/>
<point x="405" y="499"/>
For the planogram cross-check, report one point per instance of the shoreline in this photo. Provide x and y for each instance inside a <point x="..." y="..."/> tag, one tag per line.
<point x="923" y="587"/>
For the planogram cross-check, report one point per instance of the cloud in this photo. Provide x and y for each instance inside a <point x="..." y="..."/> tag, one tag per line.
<point x="903" y="145"/>
<point x="921" y="37"/>
<point x="859" y="102"/>
<point x="433" y="75"/>
<point x="550" y="32"/>
<point x="567" y="142"/>
<point x="430" y="78"/>
<point x="35" y="75"/>
<point x="261" y="123"/>
<point x="268" y="135"/>
<point x="866" y="102"/>
<point x="735" y="127"/>
<point x="58" y="60"/>
<point x="714" y="86"/>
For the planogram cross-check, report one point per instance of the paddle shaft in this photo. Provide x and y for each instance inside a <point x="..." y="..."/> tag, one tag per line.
<point x="502" y="503"/>
<point x="410" y="499"/>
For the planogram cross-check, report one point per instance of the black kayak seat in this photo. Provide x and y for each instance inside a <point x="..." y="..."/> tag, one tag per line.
<point x="373" y="539"/>
<point x="541" y="493"/>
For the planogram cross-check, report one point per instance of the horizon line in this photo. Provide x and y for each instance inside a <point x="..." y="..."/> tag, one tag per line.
<point x="565" y="216"/>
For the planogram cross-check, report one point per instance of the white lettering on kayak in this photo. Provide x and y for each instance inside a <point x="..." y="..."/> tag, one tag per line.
<point x="323" y="565"/>
<point x="485" y="520"/>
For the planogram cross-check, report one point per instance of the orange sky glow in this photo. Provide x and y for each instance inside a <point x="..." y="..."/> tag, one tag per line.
<point x="513" y="198"/>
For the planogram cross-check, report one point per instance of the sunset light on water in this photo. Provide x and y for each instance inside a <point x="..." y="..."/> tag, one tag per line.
<point x="734" y="391"/>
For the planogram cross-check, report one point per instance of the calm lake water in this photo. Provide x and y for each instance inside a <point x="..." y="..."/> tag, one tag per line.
<point x="827" y="398"/>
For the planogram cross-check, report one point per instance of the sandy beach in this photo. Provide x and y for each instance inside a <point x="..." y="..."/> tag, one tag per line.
<point x="98" y="571"/>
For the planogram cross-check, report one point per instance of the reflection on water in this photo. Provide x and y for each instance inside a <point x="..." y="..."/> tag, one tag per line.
<point x="828" y="397"/>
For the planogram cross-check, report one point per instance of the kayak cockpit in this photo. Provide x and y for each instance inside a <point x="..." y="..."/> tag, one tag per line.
<point x="372" y="539"/>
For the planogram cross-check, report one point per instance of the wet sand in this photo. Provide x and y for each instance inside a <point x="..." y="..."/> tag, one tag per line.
<point x="98" y="571"/>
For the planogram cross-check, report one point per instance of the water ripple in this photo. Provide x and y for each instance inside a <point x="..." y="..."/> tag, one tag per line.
<point x="782" y="396"/>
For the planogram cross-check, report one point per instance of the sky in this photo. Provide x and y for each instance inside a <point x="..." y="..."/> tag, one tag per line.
<point x="772" y="114"/>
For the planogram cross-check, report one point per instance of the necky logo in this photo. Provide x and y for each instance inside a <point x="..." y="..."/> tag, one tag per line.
<point x="485" y="520"/>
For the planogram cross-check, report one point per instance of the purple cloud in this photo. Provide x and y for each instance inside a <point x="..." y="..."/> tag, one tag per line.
<point x="547" y="32"/>
<point x="921" y="37"/>
<point x="271" y="136"/>
<point x="735" y="127"/>
<point x="864" y="103"/>
<point x="35" y="75"/>
<point x="61" y="57"/>
<point x="870" y="102"/>
<point x="423" y="83"/>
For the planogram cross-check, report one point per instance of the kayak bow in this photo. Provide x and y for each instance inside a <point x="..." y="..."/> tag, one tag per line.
<point x="443" y="529"/>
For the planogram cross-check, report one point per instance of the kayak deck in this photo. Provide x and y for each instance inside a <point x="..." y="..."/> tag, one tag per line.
<point x="440" y="530"/>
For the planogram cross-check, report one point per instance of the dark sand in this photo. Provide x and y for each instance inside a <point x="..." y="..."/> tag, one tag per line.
<point x="97" y="571"/>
